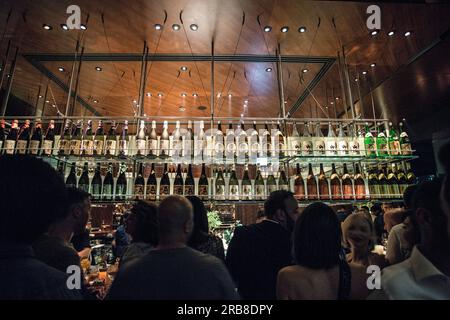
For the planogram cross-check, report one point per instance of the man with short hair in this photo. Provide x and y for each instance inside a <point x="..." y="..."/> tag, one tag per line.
<point x="32" y="197"/>
<point x="173" y="271"/>
<point x="257" y="252"/>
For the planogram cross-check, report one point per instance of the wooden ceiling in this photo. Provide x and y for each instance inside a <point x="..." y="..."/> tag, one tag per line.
<point x="121" y="27"/>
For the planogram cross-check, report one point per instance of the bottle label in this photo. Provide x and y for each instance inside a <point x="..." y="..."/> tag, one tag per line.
<point x="354" y="146"/>
<point x="164" y="190"/>
<point x="47" y="147"/>
<point x="246" y="192"/>
<point x="140" y="147"/>
<point x="299" y="191"/>
<point x="64" y="147"/>
<point x="243" y="149"/>
<point x="203" y="190"/>
<point x="370" y="148"/>
<point x="75" y="147"/>
<point x="96" y="191"/>
<point x="220" y="191"/>
<point x="139" y="191"/>
<point x="283" y="187"/>
<point x="271" y="188"/>
<point x="331" y="148"/>
<point x="347" y="190"/>
<point x="88" y="147"/>
<point x="151" y="192"/>
<point x="188" y="190"/>
<point x="9" y="146"/>
<point x="360" y="191"/>
<point x="110" y="147"/>
<point x="121" y="190"/>
<point x="234" y="192"/>
<point x="218" y="148"/>
<point x="343" y="147"/>
<point x="84" y="187"/>
<point x="34" y="146"/>
<point x="107" y="191"/>
<point x="123" y="147"/>
<point x="260" y="191"/>
<point x="296" y="147"/>
<point x="323" y="190"/>
<point x="394" y="147"/>
<point x="231" y="148"/>
<point x="307" y="148"/>
<point x="164" y="148"/>
<point x="320" y="147"/>
<point x="21" y="146"/>
<point x="406" y="149"/>
<point x="98" y="147"/>
<point x="255" y="148"/>
<point x="336" y="190"/>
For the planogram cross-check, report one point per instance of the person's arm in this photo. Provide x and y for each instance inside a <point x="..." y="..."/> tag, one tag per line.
<point x="393" y="252"/>
<point x="282" y="285"/>
<point x="85" y="253"/>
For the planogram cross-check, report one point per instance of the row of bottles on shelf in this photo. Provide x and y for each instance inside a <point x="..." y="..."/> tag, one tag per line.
<point x="216" y="144"/>
<point x="382" y="182"/>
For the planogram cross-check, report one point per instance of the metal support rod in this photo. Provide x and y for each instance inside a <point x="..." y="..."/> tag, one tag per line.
<point x="212" y="83"/>
<point x="3" y="66"/>
<point x="38" y="100"/>
<point x="373" y="106"/>
<point x="349" y="88"/>
<point x="72" y="74"/>
<point x="341" y="78"/>
<point x="334" y="102"/>
<point x="80" y="60"/>
<point x="45" y="99"/>
<point x="280" y="84"/>
<point x="361" y="111"/>
<point x="12" y="70"/>
<point x="140" y="109"/>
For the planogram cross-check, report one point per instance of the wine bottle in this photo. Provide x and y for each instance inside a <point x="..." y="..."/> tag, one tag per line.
<point x="335" y="184"/>
<point x="233" y="186"/>
<point x="99" y="139"/>
<point x="178" y="182"/>
<point x="75" y="142"/>
<point x="405" y="144"/>
<point x="220" y="186"/>
<point x="299" y="185"/>
<point x="242" y="145"/>
<point x="177" y="143"/>
<point x="88" y="141"/>
<point x="247" y="192"/>
<point x="64" y="142"/>
<point x="383" y="184"/>
<point x="139" y="183"/>
<point x="401" y="177"/>
<point x="331" y="145"/>
<point x="347" y="185"/>
<point x="164" y="186"/>
<point x="279" y="138"/>
<point x="311" y="184"/>
<point x="10" y="142"/>
<point x="394" y="190"/>
<point x="230" y="143"/>
<point x="189" y="142"/>
<point x="203" y="185"/>
<point x="141" y="140"/>
<point x="271" y="183"/>
<point x="36" y="139"/>
<point x="254" y="142"/>
<point x="164" y="147"/>
<point x="360" y="186"/>
<point x="324" y="190"/>
<point x="83" y="182"/>
<point x="121" y="184"/>
<point x="111" y="142"/>
<point x="123" y="143"/>
<point x="283" y="181"/>
<point x="97" y="184"/>
<point x="319" y="145"/>
<point x="151" y="185"/>
<point x="200" y="142"/>
<point x="295" y="145"/>
<point x="369" y="142"/>
<point x="382" y="143"/>
<point x="61" y="169"/>
<point x="108" y="183"/>
<point x="218" y="143"/>
<point x="267" y="138"/>
<point x="307" y="145"/>
<point x="354" y="147"/>
<point x="374" y="186"/>
<point x="71" y="181"/>
<point x="189" y="183"/>
<point x="49" y="140"/>
<point x="24" y="136"/>
<point x="342" y="142"/>
<point x="260" y="189"/>
<point x="410" y="176"/>
<point x="394" y="141"/>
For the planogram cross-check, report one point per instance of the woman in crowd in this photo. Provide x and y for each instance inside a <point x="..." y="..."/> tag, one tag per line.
<point x="201" y="239"/>
<point x="321" y="271"/>
<point x="359" y="235"/>
<point x="142" y="226"/>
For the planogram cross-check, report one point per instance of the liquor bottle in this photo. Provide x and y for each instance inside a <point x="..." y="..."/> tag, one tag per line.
<point x="24" y="136"/>
<point x="49" y="140"/>
<point x="189" y="183"/>
<point x="401" y="177"/>
<point x="267" y="140"/>
<point x="335" y="184"/>
<point x="331" y="145"/>
<point x="64" y="142"/>
<point x="360" y="186"/>
<point x="2" y="134"/>
<point x="394" y="190"/>
<point x="111" y="142"/>
<point x="218" y="143"/>
<point x="271" y="183"/>
<point x="405" y="144"/>
<point x="189" y="142"/>
<point x="295" y="145"/>
<point x="369" y="142"/>
<point x="394" y="141"/>
<point x="121" y="184"/>
<point x="283" y="181"/>
<point x="324" y="190"/>
<point x="199" y="145"/>
<point x="242" y="145"/>
<point x="299" y="185"/>
<point x="382" y="143"/>
<point x="203" y="185"/>
<point x="123" y="142"/>
<point x="61" y="169"/>
<point x="230" y="149"/>
<point x="410" y="176"/>
<point x="247" y="192"/>
<point x="254" y="142"/>
<point x="177" y="143"/>
<point x="139" y="183"/>
<point x="99" y="139"/>
<point x="279" y="139"/>
<point x="71" y="181"/>
<point x="10" y="142"/>
<point x="151" y="185"/>
<point x="141" y="140"/>
<point x="164" y="142"/>
<point x="108" y="183"/>
<point x="260" y="189"/>
<point x="164" y="186"/>
<point x="75" y="142"/>
<point x="347" y="185"/>
<point x="383" y="185"/>
<point x="96" y="186"/>
<point x="220" y="186"/>
<point x="354" y="147"/>
<point x="178" y="182"/>
<point x="88" y="141"/>
<point x="36" y="139"/>
<point x="307" y="145"/>
<point x="319" y="145"/>
<point x="83" y="182"/>
<point x="342" y="142"/>
<point x="311" y="184"/>
<point x="233" y="186"/>
<point x="374" y="186"/>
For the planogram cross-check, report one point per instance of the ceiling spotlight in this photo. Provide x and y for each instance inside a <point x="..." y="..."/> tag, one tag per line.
<point x="268" y="69"/>
<point x="181" y="108"/>
<point x="284" y="29"/>
<point x="267" y="28"/>
<point x="183" y="94"/>
<point x="54" y="105"/>
<point x="302" y="29"/>
<point x="372" y="65"/>
<point x="391" y="33"/>
<point x="176" y="27"/>
<point x="47" y="27"/>
<point x="356" y="79"/>
<point x="285" y="102"/>
<point x="160" y="94"/>
<point x="331" y="102"/>
<point x="158" y="26"/>
<point x="337" y="98"/>
<point x="98" y="68"/>
<point x="374" y="32"/>
<point x="305" y="70"/>
<point x="242" y="115"/>
<point x="246" y="101"/>
<point x="183" y="68"/>
<point x="61" y="69"/>
<point x="64" y="26"/>
<point x="245" y="105"/>
<point x="230" y="95"/>
<point x="407" y="33"/>
<point x="193" y="27"/>
<point x="195" y="95"/>
<point x="364" y="72"/>
<point x="95" y="101"/>
<point x="218" y="95"/>
<point x="83" y="27"/>
<point x="148" y="94"/>
<point x="134" y="101"/>
<point x="47" y="101"/>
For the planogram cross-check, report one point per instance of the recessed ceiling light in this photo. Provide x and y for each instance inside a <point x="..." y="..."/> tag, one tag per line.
<point x="183" y="68"/>
<point x="268" y="69"/>
<point x="181" y="108"/>
<point x="391" y="33"/>
<point x="134" y="101"/>
<point x="284" y="29"/>
<point x="193" y="27"/>
<point x="47" y="27"/>
<point x="302" y="29"/>
<point x="374" y="32"/>
<point x="267" y="28"/>
<point x="407" y="33"/>
<point x="305" y="70"/>
<point x="218" y="95"/>
<point x="246" y="101"/>
<point x="364" y="72"/>
<point x="242" y="114"/>
<point x="195" y="95"/>
<point x="83" y="27"/>
<point x="331" y="102"/>
<point x="337" y="98"/>
<point x="149" y="94"/>
<point x="356" y="79"/>
<point x="183" y="94"/>
<point x="245" y="105"/>
<point x="230" y="95"/>
<point x="61" y="69"/>
<point x="47" y="101"/>
<point x="158" y="26"/>
<point x="64" y="26"/>
<point x="160" y="94"/>
<point x="54" y="105"/>
<point x="98" y="69"/>
<point x="372" y="65"/>
<point x="176" y="27"/>
<point x="40" y="96"/>
<point x="285" y="102"/>
<point x="95" y="101"/>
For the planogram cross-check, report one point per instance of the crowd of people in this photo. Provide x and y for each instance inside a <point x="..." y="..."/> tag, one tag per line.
<point x="168" y="253"/>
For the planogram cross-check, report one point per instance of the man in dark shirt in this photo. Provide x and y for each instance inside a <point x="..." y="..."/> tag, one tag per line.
<point x="173" y="271"/>
<point x="257" y="252"/>
<point x="82" y="244"/>
<point x="28" y="207"/>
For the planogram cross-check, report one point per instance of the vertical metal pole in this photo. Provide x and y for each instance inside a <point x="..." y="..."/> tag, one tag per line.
<point x="37" y="111"/>
<point x="373" y="106"/>
<point x="334" y="103"/>
<point x="360" y="101"/>
<point x="341" y="78"/>
<point x="212" y="84"/>
<point x="3" y="66"/>
<point x="72" y="74"/>
<point x="349" y="88"/>
<point x="142" y="82"/>
<point x="12" y="70"/>
<point x="45" y="99"/>
<point x="280" y="83"/>
<point x="72" y="111"/>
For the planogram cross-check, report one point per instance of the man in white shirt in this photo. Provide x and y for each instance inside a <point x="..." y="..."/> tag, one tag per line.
<point x="426" y="274"/>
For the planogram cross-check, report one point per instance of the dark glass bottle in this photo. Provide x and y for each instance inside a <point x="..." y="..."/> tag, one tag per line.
<point x="189" y="183"/>
<point x="203" y="185"/>
<point x="347" y="185"/>
<point x="247" y="192"/>
<point x="311" y="184"/>
<point x="360" y="185"/>
<point x="139" y="183"/>
<point x="260" y="188"/>
<point x="71" y="181"/>
<point x="83" y="182"/>
<point x="36" y="138"/>
<point x="108" y="184"/>
<point x="24" y="137"/>
<point x="335" y="184"/>
<point x="164" y="187"/>
<point x="220" y="186"/>
<point x="97" y="184"/>
<point x="49" y="140"/>
<point x="121" y="185"/>
<point x="324" y="190"/>
<point x="299" y="185"/>
<point x="151" y="185"/>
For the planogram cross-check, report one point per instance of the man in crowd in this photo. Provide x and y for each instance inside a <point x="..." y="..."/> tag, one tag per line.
<point x="82" y="244"/>
<point x="32" y="197"/>
<point x="257" y="252"/>
<point x="173" y="271"/>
